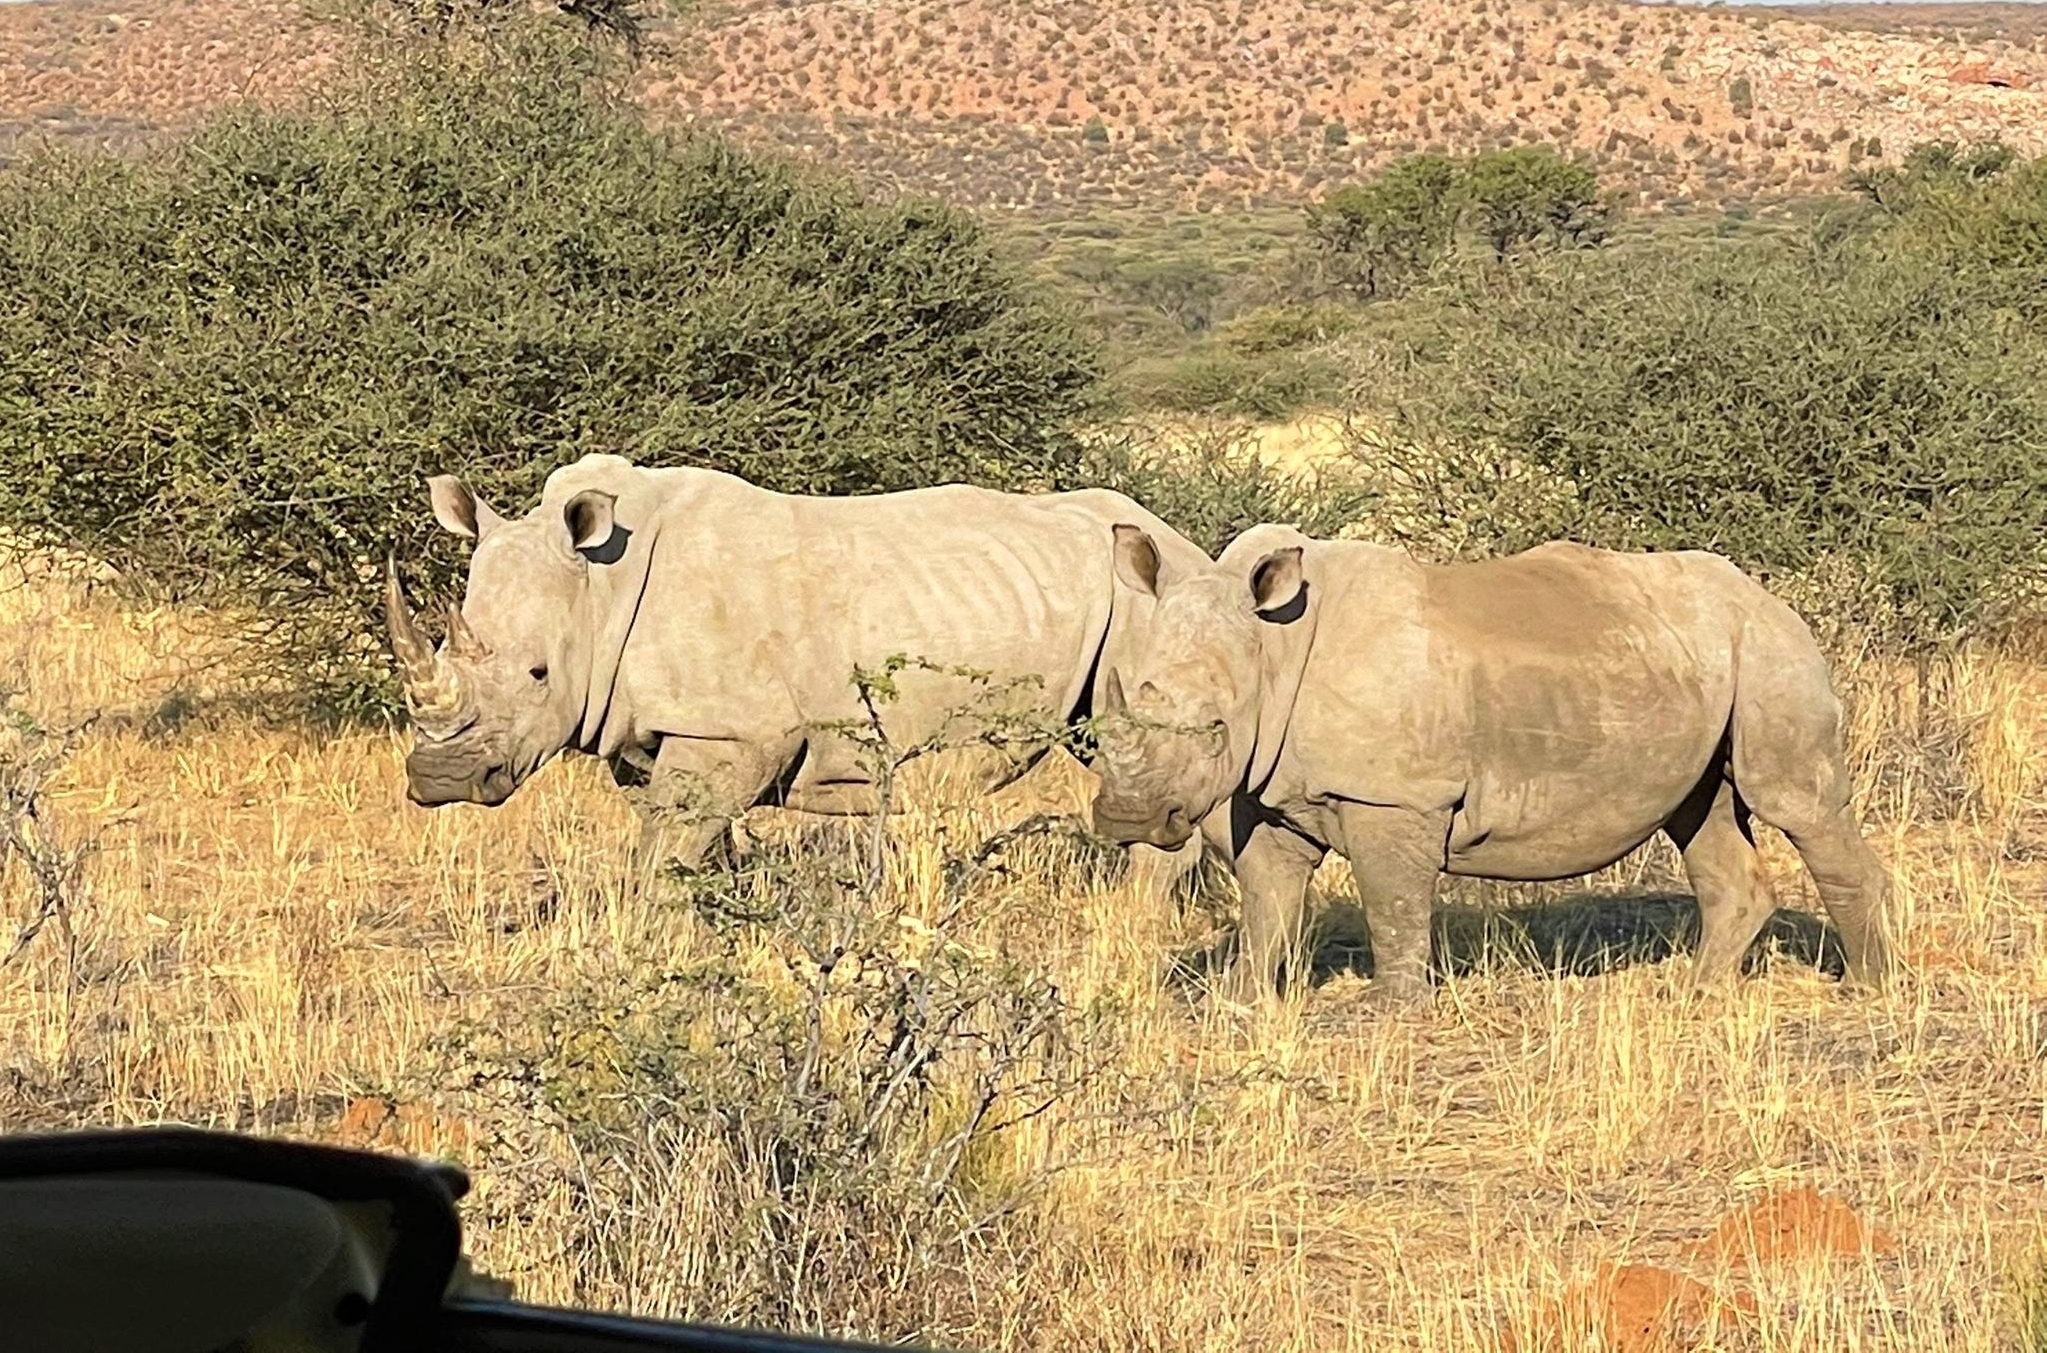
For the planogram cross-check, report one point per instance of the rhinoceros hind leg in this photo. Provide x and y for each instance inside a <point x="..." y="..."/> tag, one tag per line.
<point x="1855" y="889"/>
<point x="1790" y="764"/>
<point x="1396" y="855"/>
<point x="1726" y="874"/>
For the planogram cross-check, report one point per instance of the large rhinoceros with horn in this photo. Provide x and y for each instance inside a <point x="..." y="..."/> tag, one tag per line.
<point x="703" y="634"/>
<point x="1530" y="717"/>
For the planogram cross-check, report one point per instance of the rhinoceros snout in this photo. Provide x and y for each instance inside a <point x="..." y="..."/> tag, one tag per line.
<point x="432" y="781"/>
<point x="1132" y="824"/>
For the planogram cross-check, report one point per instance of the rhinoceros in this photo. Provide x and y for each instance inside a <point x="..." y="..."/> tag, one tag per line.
<point x="1528" y="717"/>
<point x="703" y="634"/>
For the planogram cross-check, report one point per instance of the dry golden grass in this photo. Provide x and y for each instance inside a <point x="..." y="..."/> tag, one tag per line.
<point x="269" y="931"/>
<point x="1299" y="446"/>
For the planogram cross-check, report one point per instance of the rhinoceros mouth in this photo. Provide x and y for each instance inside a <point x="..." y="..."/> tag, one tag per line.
<point x="490" y="789"/>
<point x="1168" y="830"/>
<point x="496" y="787"/>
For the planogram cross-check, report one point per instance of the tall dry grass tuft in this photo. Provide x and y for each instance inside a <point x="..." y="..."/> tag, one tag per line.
<point x="273" y="938"/>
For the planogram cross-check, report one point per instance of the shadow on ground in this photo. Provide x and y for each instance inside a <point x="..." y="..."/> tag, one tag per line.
<point x="1578" y="935"/>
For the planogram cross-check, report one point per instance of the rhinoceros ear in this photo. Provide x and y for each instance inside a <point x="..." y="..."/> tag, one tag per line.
<point x="590" y="516"/>
<point x="459" y="510"/>
<point x="1276" y="582"/>
<point x="1137" y="560"/>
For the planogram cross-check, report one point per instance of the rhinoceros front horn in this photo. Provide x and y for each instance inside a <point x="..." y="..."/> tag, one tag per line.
<point x="415" y="651"/>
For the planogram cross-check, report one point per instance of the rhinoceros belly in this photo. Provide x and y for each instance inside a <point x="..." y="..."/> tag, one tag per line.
<point x="1569" y="771"/>
<point x="1554" y="827"/>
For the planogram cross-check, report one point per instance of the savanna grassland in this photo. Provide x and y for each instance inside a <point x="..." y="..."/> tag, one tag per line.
<point x="257" y="931"/>
<point x="958" y="1077"/>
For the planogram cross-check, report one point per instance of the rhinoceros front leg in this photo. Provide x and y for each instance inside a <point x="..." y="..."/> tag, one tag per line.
<point x="1273" y="866"/>
<point x="694" y="790"/>
<point x="1396" y="855"/>
<point x="1155" y="873"/>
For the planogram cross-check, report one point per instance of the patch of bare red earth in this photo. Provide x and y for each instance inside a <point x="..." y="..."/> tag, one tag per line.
<point x="1644" y="1308"/>
<point x="1996" y="77"/>
<point x="373" y="1122"/>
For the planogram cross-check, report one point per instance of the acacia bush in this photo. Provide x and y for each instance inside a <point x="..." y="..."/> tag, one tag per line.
<point x="1844" y="413"/>
<point x="807" y="1114"/>
<point x="1219" y="378"/>
<point x="1978" y="212"/>
<point x="1381" y="237"/>
<point x="227" y="368"/>
<point x="1210" y="482"/>
<point x="1530" y="195"/>
<point x="806" y="1105"/>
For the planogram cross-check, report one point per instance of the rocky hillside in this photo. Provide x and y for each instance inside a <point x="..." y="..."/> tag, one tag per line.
<point x="1179" y="103"/>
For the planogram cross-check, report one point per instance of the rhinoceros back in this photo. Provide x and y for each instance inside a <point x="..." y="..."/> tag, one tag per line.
<point x="755" y="610"/>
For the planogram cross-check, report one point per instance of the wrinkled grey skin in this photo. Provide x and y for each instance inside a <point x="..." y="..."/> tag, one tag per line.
<point x="696" y="631"/>
<point x="1531" y="717"/>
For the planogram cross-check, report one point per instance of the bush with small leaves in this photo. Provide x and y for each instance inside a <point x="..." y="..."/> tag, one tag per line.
<point x="1532" y="195"/>
<point x="1741" y="97"/>
<point x="1803" y="411"/>
<point x="807" y="1109"/>
<point x="227" y="368"/>
<point x="1378" y="236"/>
<point x="1933" y="171"/>
<point x="1215" y="379"/>
<point x="1211" y="483"/>
<point x="1286" y="326"/>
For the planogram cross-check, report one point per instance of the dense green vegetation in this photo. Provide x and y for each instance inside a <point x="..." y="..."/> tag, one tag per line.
<point x="1379" y="237"/>
<point x="228" y="368"/>
<point x="1842" y="396"/>
<point x="1864" y="406"/>
<point x="230" y="365"/>
<point x="1230" y="313"/>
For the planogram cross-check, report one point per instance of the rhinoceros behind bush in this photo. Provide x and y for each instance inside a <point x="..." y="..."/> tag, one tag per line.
<point x="708" y="632"/>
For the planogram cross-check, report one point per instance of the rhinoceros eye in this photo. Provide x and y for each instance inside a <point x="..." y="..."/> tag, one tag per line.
<point x="538" y="671"/>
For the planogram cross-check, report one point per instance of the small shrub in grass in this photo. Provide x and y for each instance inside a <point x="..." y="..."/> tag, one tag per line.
<point x="227" y="368"/>
<point x="1741" y="97"/>
<point x="1216" y="379"/>
<point x="808" y="1113"/>
<point x="806" y="1109"/>
<point x="1183" y="288"/>
<point x="1285" y="326"/>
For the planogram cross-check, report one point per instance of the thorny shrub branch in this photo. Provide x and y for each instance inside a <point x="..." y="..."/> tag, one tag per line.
<point x="30" y="840"/>
<point x="837" y="1051"/>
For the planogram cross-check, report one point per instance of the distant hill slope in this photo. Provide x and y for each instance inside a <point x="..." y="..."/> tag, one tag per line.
<point x="1166" y="103"/>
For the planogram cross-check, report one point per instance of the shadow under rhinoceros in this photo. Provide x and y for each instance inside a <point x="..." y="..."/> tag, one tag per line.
<point x="1578" y="935"/>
